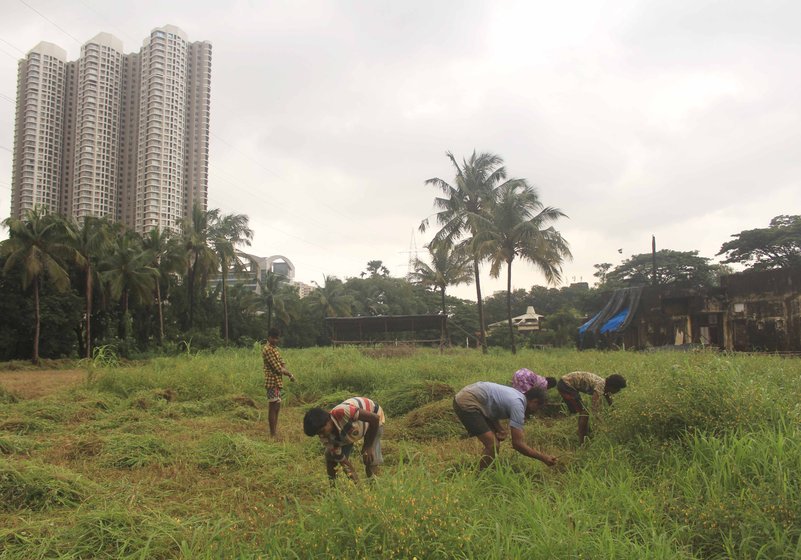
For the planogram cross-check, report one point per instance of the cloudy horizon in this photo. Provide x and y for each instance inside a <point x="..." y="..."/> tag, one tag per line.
<point x="672" y="119"/>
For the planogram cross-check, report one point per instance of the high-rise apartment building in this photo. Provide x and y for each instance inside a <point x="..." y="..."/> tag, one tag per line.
<point x="124" y="136"/>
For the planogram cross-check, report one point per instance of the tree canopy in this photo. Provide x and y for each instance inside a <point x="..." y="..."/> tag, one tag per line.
<point x="776" y="246"/>
<point x="680" y="268"/>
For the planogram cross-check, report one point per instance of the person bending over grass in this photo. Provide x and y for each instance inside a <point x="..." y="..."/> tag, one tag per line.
<point x="354" y="419"/>
<point x="573" y="384"/>
<point x="274" y="370"/>
<point x="524" y="379"/>
<point x="482" y="405"/>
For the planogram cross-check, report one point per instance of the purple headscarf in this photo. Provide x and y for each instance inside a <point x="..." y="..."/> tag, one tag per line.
<point x="524" y="380"/>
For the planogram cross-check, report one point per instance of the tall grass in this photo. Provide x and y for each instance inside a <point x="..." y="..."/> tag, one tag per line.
<point x="698" y="458"/>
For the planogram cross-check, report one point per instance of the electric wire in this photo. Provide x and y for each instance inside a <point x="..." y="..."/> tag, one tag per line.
<point x="51" y="22"/>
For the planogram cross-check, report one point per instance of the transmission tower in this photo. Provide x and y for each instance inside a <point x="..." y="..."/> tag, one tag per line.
<point x="412" y="254"/>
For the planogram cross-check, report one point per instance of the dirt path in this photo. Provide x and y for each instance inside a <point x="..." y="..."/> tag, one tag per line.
<point x="35" y="384"/>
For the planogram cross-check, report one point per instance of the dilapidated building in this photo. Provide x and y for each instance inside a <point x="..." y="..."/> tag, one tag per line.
<point x="750" y="311"/>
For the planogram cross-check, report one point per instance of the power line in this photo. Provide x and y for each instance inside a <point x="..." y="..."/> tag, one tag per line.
<point x="12" y="46"/>
<point x="224" y="141"/>
<point x="238" y="183"/>
<point x="271" y="172"/>
<point x="54" y="24"/>
<point x="8" y="54"/>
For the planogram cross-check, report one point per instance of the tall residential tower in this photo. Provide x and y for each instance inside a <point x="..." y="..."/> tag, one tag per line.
<point x="124" y="136"/>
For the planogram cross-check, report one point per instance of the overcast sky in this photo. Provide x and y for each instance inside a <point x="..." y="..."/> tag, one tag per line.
<point x="674" y="118"/>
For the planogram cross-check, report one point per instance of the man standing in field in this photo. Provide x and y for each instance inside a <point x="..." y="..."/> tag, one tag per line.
<point x="573" y="384"/>
<point x="274" y="370"/>
<point x="348" y="422"/>
<point x="482" y="405"/>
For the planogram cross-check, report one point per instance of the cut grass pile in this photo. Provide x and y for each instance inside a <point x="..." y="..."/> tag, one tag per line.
<point x="133" y="451"/>
<point x="30" y="486"/>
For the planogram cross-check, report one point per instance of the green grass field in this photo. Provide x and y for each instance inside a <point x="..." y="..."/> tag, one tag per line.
<point x="699" y="458"/>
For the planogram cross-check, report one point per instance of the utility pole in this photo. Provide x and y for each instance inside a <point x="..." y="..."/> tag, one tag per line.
<point x="654" y="279"/>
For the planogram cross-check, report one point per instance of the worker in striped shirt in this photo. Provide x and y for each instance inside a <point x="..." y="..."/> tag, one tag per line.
<point x="354" y="419"/>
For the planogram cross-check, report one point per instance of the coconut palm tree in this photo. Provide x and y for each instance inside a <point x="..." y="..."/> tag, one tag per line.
<point x="90" y="240"/>
<point x="448" y="268"/>
<point x="128" y="273"/>
<point x="274" y="292"/>
<point x="37" y="248"/>
<point x="518" y="226"/>
<point x="165" y="250"/>
<point x="230" y="231"/>
<point x="463" y="208"/>
<point x="331" y="299"/>
<point x="201" y="260"/>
